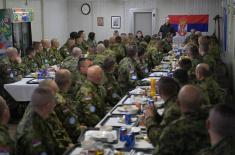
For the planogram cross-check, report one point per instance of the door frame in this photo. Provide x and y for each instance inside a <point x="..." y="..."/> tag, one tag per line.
<point x="132" y="11"/>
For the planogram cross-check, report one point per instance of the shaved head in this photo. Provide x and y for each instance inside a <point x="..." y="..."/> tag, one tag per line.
<point x="12" y="53"/>
<point x="100" y="48"/>
<point x="94" y="74"/>
<point x="77" y="52"/>
<point x="190" y="98"/>
<point x="202" y="71"/>
<point x="46" y="43"/>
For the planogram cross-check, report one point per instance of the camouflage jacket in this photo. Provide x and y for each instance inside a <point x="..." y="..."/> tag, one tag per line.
<point x="210" y="86"/>
<point x="77" y="80"/>
<point x="83" y="46"/>
<point x="10" y="71"/>
<point x="59" y="135"/>
<point x="31" y="65"/>
<point x="192" y="71"/>
<point x="156" y="123"/>
<point x="55" y="57"/>
<point x="99" y="59"/>
<point x="127" y="74"/>
<point x="67" y="115"/>
<point x="42" y="60"/>
<point x="91" y="43"/>
<point x="92" y="105"/>
<point x="113" y="90"/>
<point x="109" y="53"/>
<point x="7" y="145"/>
<point x="34" y="136"/>
<point x="119" y="50"/>
<point x="70" y="63"/>
<point x="64" y="51"/>
<point x="167" y="47"/>
<point x="154" y="57"/>
<point x="224" y="147"/>
<point x="143" y="69"/>
<point x="184" y="136"/>
<point x="210" y="61"/>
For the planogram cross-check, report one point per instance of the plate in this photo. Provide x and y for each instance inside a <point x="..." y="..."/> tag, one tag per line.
<point x="119" y="121"/>
<point x="158" y="74"/>
<point x="125" y="109"/>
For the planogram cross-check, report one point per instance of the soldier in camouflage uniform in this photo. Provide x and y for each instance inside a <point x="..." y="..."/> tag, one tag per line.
<point x="188" y="38"/>
<point x="11" y="68"/>
<point x="46" y="44"/>
<point x="55" y="57"/>
<point x="35" y="134"/>
<point x="66" y="49"/>
<point x="139" y="37"/>
<point x="81" y="42"/>
<point x="155" y="54"/>
<point x="142" y="64"/>
<point x="39" y="58"/>
<point x="221" y="130"/>
<point x="204" y="52"/>
<point x="154" y="122"/>
<point x="70" y="62"/>
<point x="100" y="56"/>
<point x="7" y="145"/>
<point x="167" y="43"/>
<point x="214" y="48"/>
<point x="127" y="71"/>
<point x="64" y="108"/>
<point x="208" y="84"/>
<point x="92" y="106"/>
<point x="91" y="42"/>
<point x="59" y="134"/>
<point x="30" y="61"/>
<point x="110" y="83"/>
<point x="187" y="134"/>
<point x="108" y="52"/>
<point x="193" y="54"/>
<point x="130" y="39"/>
<point x="45" y="55"/>
<point x="119" y="49"/>
<point x="79" y="76"/>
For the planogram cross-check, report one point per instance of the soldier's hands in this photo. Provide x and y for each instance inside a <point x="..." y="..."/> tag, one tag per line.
<point x="149" y="112"/>
<point x="18" y="60"/>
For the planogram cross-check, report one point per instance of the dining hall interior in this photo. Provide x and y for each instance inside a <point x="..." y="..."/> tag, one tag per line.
<point x="117" y="77"/>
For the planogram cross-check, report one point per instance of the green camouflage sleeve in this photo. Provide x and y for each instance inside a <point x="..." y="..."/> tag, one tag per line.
<point x="68" y="118"/>
<point x="87" y="107"/>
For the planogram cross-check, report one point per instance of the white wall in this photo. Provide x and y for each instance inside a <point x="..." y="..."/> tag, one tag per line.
<point x="108" y="8"/>
<point x="1" y="4"/>
<point x="99" y="8"/>
<point x="55" y="20"/>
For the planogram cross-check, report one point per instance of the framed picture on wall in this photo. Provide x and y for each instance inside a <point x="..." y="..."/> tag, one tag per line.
<point x="115" y="22"/>
<point x="100" y="21"/>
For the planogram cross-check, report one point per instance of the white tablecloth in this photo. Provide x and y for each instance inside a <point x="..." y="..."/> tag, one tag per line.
<point x="21" y="91"/>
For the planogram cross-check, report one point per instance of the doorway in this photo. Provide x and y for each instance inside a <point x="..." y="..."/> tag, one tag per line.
<point x="142" y="19"/>
<point x="143" y="22"/>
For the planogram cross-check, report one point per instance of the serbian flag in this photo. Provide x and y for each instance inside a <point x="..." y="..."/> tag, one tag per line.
<point x="184" y="23"/>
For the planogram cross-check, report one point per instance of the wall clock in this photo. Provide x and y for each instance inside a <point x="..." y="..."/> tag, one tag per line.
<point x="85" y="9"/>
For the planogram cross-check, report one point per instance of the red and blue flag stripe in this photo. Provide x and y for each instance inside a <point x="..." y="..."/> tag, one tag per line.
<point x="197" y="22"/>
